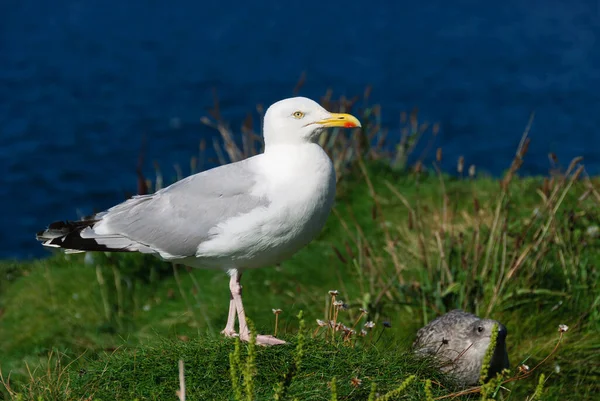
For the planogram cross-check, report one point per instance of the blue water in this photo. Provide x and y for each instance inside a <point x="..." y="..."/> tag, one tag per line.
<point x="82" y="81"/>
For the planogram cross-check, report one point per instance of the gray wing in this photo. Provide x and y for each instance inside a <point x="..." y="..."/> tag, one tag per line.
<point x="175" y="220"/>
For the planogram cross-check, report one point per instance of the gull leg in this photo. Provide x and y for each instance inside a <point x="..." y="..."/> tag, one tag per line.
<point x="236" y="296"/>
<point x="229" y="330"/>
<point x="236" y="292"/>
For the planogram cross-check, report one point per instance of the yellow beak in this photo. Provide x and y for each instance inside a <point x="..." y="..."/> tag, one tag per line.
<point x="340" y="120"/>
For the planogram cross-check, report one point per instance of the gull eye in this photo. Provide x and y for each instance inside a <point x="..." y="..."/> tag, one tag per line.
<point x="480" y="329"/>
<point x="298" y="114"/>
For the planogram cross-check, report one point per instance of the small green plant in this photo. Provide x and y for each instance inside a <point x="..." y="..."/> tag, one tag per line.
<point x="489" y="390"/>
<point x="489" y="353"/>
<point x="282" y="387"/>
<point x="235" y="363"/>
<point x="333" y="387"/>
<point x="537" y="395"/>
<point x="398" y="391"/>
<point x="249" y="370"/>
<point x="373" y="392"/>
<point x="246" y="370"/>
<point x="428" y="393"/>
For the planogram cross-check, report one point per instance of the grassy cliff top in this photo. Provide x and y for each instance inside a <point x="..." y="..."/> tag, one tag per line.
<point x="404" y="246"/>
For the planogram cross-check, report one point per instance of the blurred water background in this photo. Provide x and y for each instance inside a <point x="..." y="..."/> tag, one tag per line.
<point x="82" y="81"/>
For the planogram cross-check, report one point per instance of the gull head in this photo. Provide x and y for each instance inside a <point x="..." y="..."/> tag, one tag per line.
<point x="479" y="333"/>
<point x="301" y="120"/>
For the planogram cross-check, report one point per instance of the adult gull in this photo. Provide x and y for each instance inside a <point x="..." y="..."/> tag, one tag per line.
<point x="253" y="213"/>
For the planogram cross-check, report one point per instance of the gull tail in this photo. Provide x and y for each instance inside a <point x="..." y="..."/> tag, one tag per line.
<point x="79" y="236"/>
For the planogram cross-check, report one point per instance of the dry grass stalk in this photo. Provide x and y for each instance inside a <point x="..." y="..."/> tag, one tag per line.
<point x="181" y="391"/>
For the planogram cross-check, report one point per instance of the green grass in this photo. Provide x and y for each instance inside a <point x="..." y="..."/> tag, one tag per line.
<point x="405" y="246"/>
<point x="151" y="373"/>
<point x="125" y="320"/>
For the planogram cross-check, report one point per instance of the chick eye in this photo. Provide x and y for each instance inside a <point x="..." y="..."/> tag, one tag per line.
<point x="298" y="114"/>
<point x="480" y="329"/>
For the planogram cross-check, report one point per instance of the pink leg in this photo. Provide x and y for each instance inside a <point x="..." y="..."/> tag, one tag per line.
<point x="229" y="330"/>
<point x="236" y="292"/>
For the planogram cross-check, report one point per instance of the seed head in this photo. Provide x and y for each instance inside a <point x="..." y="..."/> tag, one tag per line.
<point x="333" y="293"/>
<point x="461" y="165"/>
<point x="369" y="324"/>
<point x="341" y="327"/>
<point x="523" y="368"/>
<point x="592" y="231"/>
<point x="355" y="382"/>
<point x="322" y="323"/>
<point x="277" y="311"/>
<point x="563" y="328"/>
<point x="348" y="330"/>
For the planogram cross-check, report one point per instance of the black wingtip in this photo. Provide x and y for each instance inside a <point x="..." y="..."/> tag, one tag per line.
<point x="67" y="235"/>
<point x="62" y="228"/>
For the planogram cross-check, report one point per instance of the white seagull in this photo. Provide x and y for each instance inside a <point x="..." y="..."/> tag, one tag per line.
<point x="253" y="213"/>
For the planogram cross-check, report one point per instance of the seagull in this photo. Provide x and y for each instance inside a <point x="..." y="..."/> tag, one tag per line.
<point x="253" y="213"/>
<point x="459" y="340"/>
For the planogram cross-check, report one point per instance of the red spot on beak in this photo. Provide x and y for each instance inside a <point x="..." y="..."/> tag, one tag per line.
<point x="349" y="125"/>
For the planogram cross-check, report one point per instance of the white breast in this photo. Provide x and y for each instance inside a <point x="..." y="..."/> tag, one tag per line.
<point x="300" y="184"/>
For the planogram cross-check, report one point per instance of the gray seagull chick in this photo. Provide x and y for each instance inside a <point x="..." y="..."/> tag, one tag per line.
<point x="459" y="340"/>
